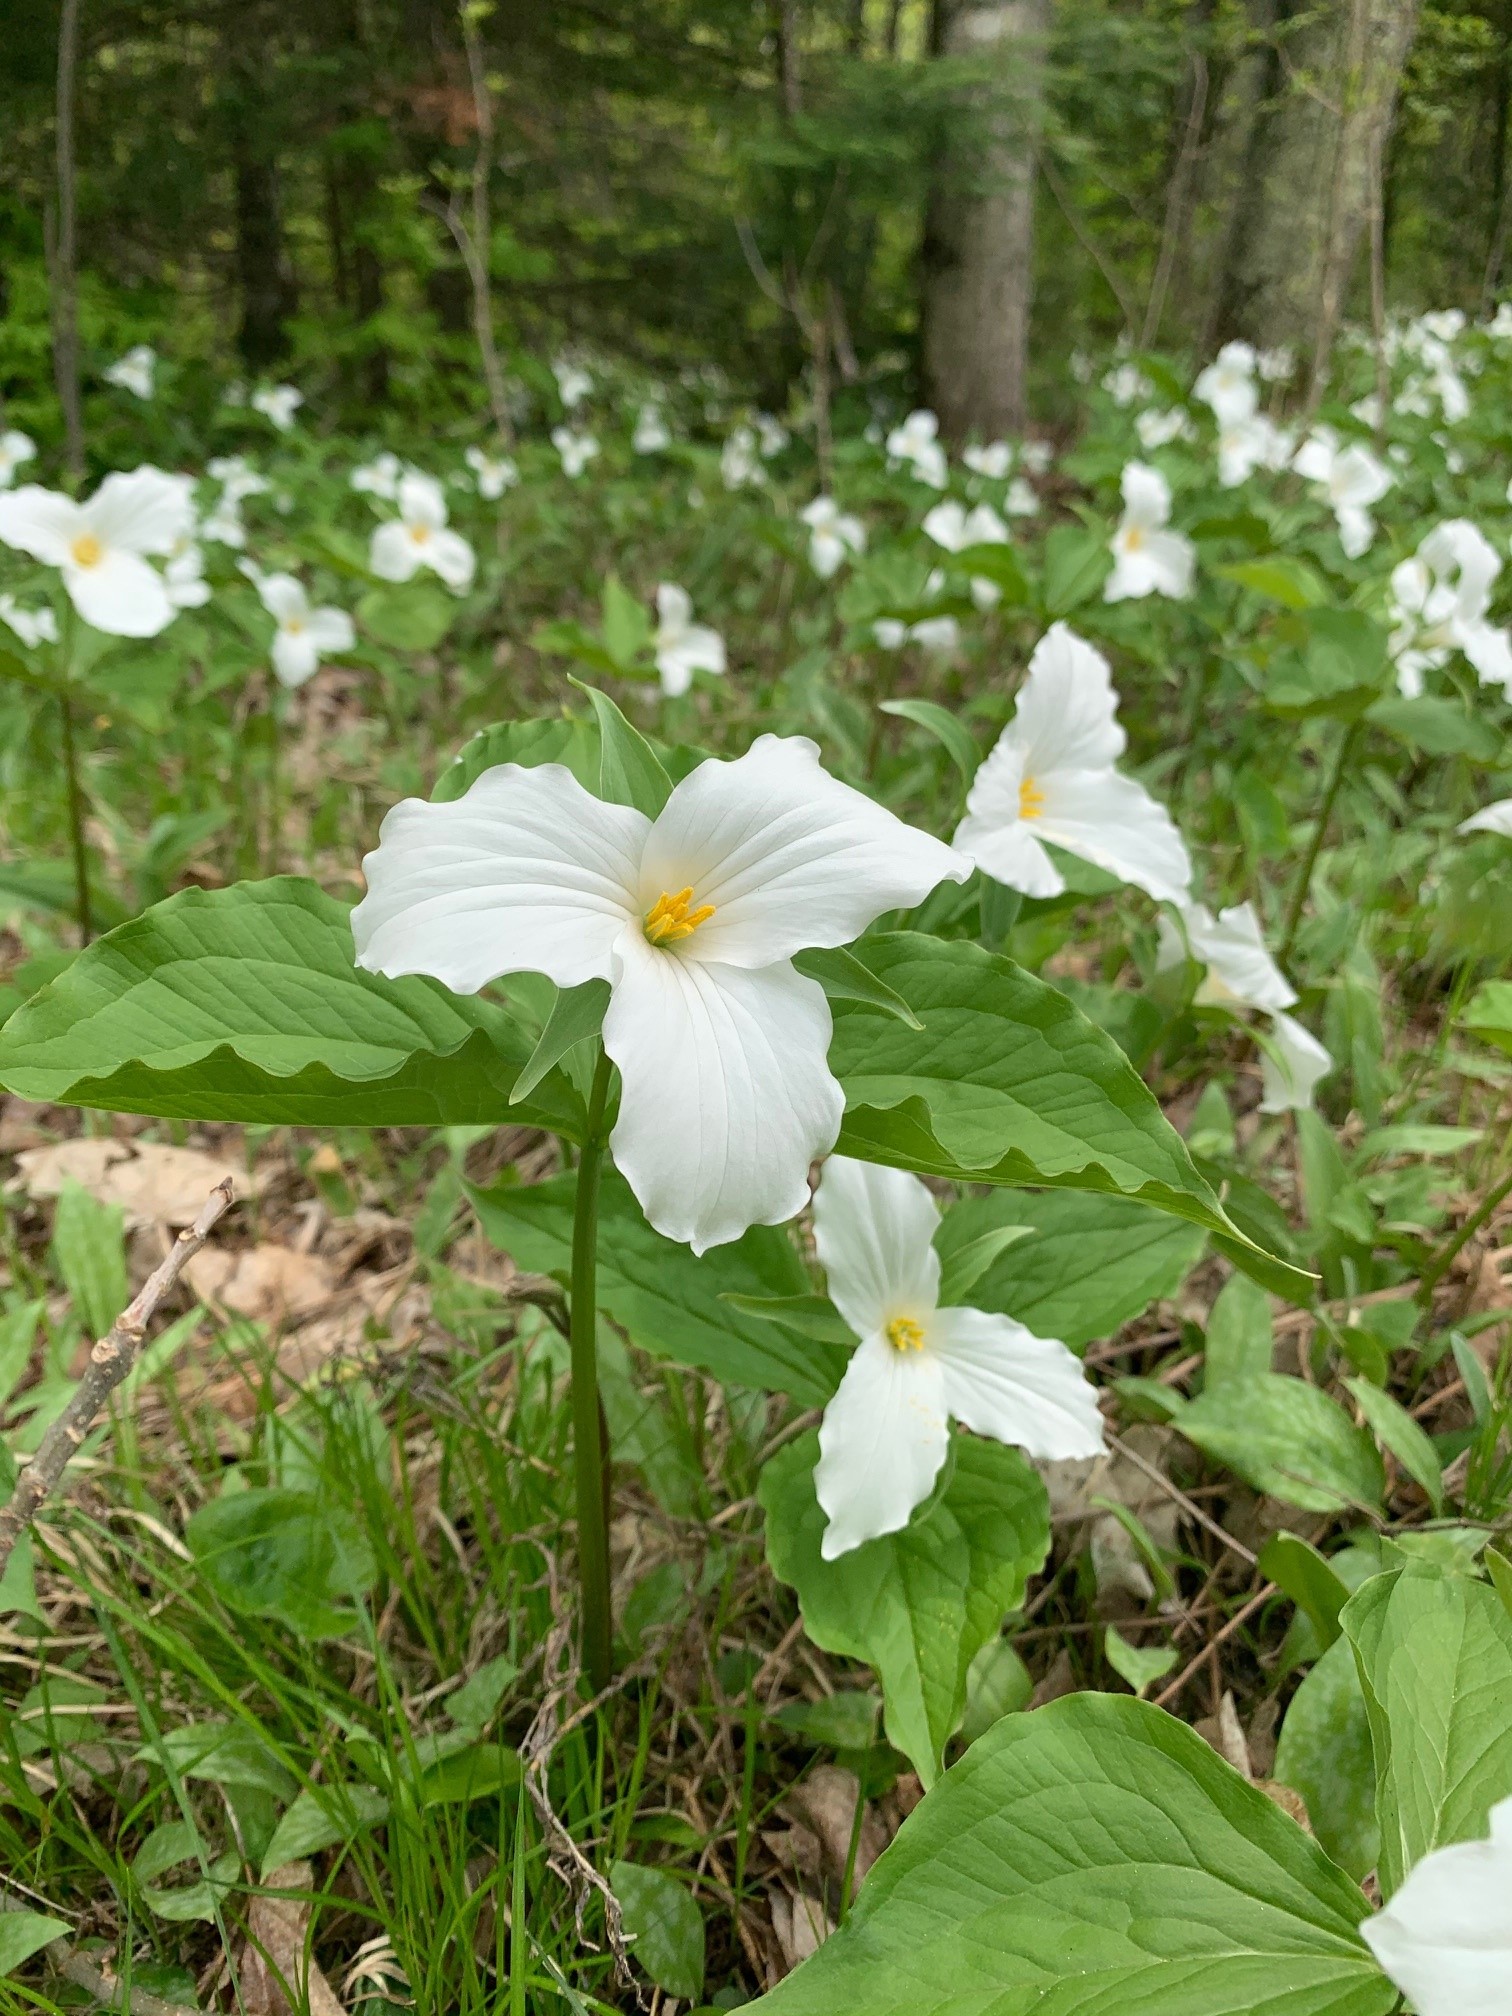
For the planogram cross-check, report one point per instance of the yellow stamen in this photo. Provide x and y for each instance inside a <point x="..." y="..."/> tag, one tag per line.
<point x="905" y="1335"/>
<point x="1031" y="800"/>
<point x="87" y="551"/>
<point x="673" y="917"/>
<point x="294" y="626"/>
<point x="419" y="534"/>
<point x="1133" y="538"/>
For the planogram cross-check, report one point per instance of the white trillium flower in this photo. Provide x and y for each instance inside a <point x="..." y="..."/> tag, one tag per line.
<point x="1276" y="366"/>
<point x="576" y="450"/>
<point x="223" y="525"/>
<point x="304" y="636"/>
<point x="1438" y="605"/>
<point x="136" y="372"/>
<point x="916" y="445"/>
<point x="1250" y="444"/>
<point x="682" y="646"/>
<point x="1050" y="777"/>
<point x="651" y="434"/>
<point x="32" y="626"/>
<point x="1290" y="1066"/>
<point x="1240" y="971"/>
<point x="739" y="463"/>
<point x="573" y="383"/>
<point x="278" y="403"/>
<point x="420" y="537"/>
<point x="1445" y="1938"/>
<point x="1500" y="325"/>
<point x="834" y="535"/>
<point x="693" y="919"/>
<point x="380" y="477"/>
<point x="1158" y="428"/>
<point x="184" y="576"/>
<point x="494" y="474"/>
<point x="1494" y="818"/>
<point x="917" y="1367"/>
<point x="1148" y="559"/>
<point x="1350" y="480"/>
<point x="1037" y="456"/>
<point x="1022" y="500"/>
<point x="1228" y="386"/>
<point x="994" y="460"/>
<point x="1126" y="385"/>
<point x="773" y="436"/>
<point x="952" y="526"/>
<point x="100" y="546"/>
<point x="15" y="448"/>
<point x="237" y="478"/>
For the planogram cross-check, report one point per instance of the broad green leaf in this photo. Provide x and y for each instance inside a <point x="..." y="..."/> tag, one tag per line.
<point x="1091" y="1262"/>
<point x="1337" y="670"/>
<point x="320" y="1818"/>
<point x="1396" y="1430"/>
<point x="1435" y="1659"/>
<point x="283" y="1554"/>
<point x="970" y="1262"/>
<point x="246" y="1004"/>
<point x="670" y="1304"/>
<point x="1279" y="577"/>
<point x="577" y="1013"/>
<point x="1304" y="1575"/>
<point x="477" y="1771"/>
<point x="565" y="740"/>
<point x="998" y="1683"/>
<point x="415" y="617"/>
<point x="809" y="1315"/>
<point x="89" y="1249"/>
<point x="1096" y="1858"/>
<point x="1436" y="725"/>
<point x="846" y="1720"/>
<point x="665" y="1927"/>
<point x="946" y="728"/>
<point x="1009" y="1083"/>
<point x="167" y="1847"/>
<point x="630" y="771"/>
<point x="844" y="978"/>
<point x="917" y="1605"/>
<point x="627" y="626"/>
<point x="1239" y="1339"/>
<point x="1287" y="1438"/>
<point x="1325" y="1753"/>
<point x="1489" y="1014"/>
<point x="23" y="1933"/>
<point x="222" y="1753"/>
<point x="1077" y="562"/>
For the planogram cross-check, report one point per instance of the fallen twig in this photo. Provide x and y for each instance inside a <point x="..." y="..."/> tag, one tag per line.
<point x="109" y="1362"/>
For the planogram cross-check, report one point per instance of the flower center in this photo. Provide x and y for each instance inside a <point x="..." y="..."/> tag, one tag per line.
<point x="294" y="626"/>
<point x="86" y="550"/>
<point x="1133" y="538"/>
<point x="673" y="917"/>
<point x="1031" y="800"/>
<point x="419" y="533"/>
<point x="905" y="1335"/>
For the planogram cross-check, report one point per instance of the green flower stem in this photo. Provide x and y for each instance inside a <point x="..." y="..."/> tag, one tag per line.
<point x="587" y="1436"/>
<point x="1315" y="846"/>
<point x="1444" y="1259"/>
<point x="74" y="789"/>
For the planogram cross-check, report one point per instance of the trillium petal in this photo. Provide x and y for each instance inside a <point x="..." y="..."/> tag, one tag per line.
<point x="121" y="595"/>
<point x="787" y="855"/>
<point x="727" y="1094"/>
<point x="996" y="837"/>
<point x="282" y="596"/>
<point x="451" y="557"/>
<point x="525" y="873"/>
<point x="1113" y="822"/>
<point x="1066" y="714"/>
<point x="1146" y="494"/>
<point x="422" y="501"/>
<point x="295" y="655"/>
<point x="142" y="510"/>
<point x="1234" y="951"/>
<point x="392" y="554"/>
<point x="1490" y="652"/>
<point x="881" y="1444"/>
<point x="1003" y="1381"/>
<point x="41" y="522"/>
<point x="1496" y="818"/>
<point x="1445" y="1938"/>
<point x="873" y="1230"/>
<point x="1291" y="1066"/>
<point x="331" y="630"/>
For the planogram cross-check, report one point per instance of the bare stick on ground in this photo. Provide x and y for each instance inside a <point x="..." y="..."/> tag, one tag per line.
<point x="109" y="1362"/>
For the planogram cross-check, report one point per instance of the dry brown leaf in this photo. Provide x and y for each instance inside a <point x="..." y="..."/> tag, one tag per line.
<point x="825" y="1804"/>
<point x="277" y="1929"/>
<point x="800" y="1926"/>
<point x="1059" y="1680"/>
<point x="153" y="1182"/>
<point x="269" y="1284"/>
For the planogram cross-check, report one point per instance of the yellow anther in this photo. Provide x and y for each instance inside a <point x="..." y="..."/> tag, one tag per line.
<point x="905" y="1335"/>
<point x="673" y="917"/>
<point x="1031" y="800"/>
<point x="86" y="550"/>
<point x="419" y="534"/>
<point x="294" y="626"/>
<point x="1133" y="538"/>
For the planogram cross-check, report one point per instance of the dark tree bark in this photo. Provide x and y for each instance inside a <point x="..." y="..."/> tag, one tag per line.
<point x="979" y="232"/>
<point x="64" y="249"/>
<point x="264" y="280"/>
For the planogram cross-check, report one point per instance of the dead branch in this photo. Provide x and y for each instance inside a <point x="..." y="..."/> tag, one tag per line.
<point x="109" y="1362"/>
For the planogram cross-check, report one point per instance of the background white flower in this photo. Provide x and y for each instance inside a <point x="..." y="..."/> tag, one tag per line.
<point x="1445" y="1938"/>
<point x="693" y="919"/>
<point x="834" y="535"/>
<point x="136" y="372"/>
<point x="1158" y="428"/>
<point x="1240" y="970"/>
<point x="1147" y="558"/>
<point x="1438" y="605"/>
<point x="683" y="647"/>
<point x="99" y="546"/>
<point x="303" y="636"/>
<point x="32" y="626"/>
<point x="15" y="448"/>
<point x="1350" y="480"/>
<point x="494" y="474"/>
<point x="419" y="537"/>
<point x="1292" y="1060"/>
<point x="184" y="576"/>
<point x="1495" y="818"/>
<point x="278" y="403"/>
<point x="576" y="450"/>
<point x="739" y="463"/>
<point x="993" y="460"/>
<point x="1227" y="387"/>
<point x="773" y="435"/>
<point x="651" y="434"/>
<point x="916" y="445"/>
<point x="918" y="1366"/>
<point x="573" y="383"/>
<point x="1050" y="777"/>
<point x="380" y="477"/>
<point x="1125" y="384"/>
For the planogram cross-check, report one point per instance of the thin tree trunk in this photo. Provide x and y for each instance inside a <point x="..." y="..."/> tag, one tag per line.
<point x="1178" y="200"/>
<point x="789" y="51"/>
<point x="979" y="231"/>
<point x="1501" y="188"/>
<point x="1232" y="170"/>
<point x="65" y="250"/>
<point x="268" y="295"/>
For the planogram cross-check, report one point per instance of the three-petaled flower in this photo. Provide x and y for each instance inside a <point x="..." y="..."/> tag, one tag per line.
<point x="136" y="372"/>
<point x="834" y="535"/>
<point x="493" y="474"/>
<point x="99" y="547"/>
<point x="1350" y="480"/>
<point x="1050" y="777"/>
<point x="576" y="450"/>
<point x="916" y="445"/>
<point x="1439" y="600"/>
<point x="278" y="404"/>
<point x="681" y="646"/>
<point x="304" y="636"/>
<point x="693" y="918"/>
<point x="886" y="1432"/>
<point x="420" y="537"/>
<point x="1148" y="558"/>
<point x="1241" y="974"/>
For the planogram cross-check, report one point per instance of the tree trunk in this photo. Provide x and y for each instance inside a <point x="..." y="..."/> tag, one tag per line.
<point x="979" y="233"/>
<point x="1325" y="130"/>
<point x="266" y="286"/>
<point x="64" y="243"/>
